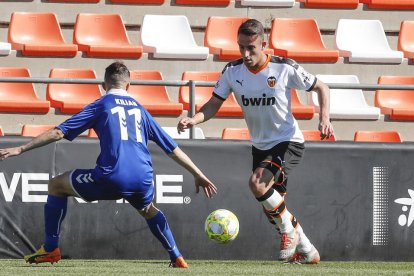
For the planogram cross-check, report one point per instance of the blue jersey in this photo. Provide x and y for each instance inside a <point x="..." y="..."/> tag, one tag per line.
<point x="124" y="128"/>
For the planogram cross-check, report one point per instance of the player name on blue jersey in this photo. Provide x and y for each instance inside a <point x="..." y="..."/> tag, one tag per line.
<point x="125" y="102"/>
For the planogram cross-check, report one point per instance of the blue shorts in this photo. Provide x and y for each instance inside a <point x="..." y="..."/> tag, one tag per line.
<point x="90" y="189"/>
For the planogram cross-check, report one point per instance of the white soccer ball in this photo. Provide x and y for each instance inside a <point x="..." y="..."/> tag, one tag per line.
<point x="222" y="226"/>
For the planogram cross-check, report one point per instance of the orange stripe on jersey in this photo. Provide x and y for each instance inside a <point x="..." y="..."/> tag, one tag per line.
<point x="261" y="67"/>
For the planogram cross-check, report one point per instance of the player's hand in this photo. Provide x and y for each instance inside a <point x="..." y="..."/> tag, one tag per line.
<point x="209" y="188"/>
<point x="185" y="123"/>
<point x="326" y="129"/>
<point x="9" y="152"/>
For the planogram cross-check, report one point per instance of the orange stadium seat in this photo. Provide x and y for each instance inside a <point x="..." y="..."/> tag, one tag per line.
<point x="300" y="39"/>
<point x="315" y="135"/>
<point x="299" y="110"/>
<point x="1" y="131"/>
<point x="377" y="136"/>
<point x="104" y="35"/>
<point x="38" y="34"/>
<point x="20" y="97"/>
<point x="332" y="4"/>
<point x="35" y="130"/>
<point x="390" y="5"/>
<point x="92" y="133"/>
<point x="398" y="104"/>
<point x="406" y="39"/>
<point x="71" y="98"/>
<point x="154" y="98"/>
<point x="221" y="37"/>
<point x="155" y="2"/>
<point x="235" y="134"/>
<point x="203" y="2"/>
<point x="230" y="107"/>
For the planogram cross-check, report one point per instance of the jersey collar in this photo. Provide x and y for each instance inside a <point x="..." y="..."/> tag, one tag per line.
<point x="119" y="92"/>
<point x="261" y="67"/>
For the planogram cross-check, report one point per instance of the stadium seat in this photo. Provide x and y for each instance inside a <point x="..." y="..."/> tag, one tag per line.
<point x="38" y="34"/>
<point x="20" y="97"/>
<point x="154" y="2"/>
<point x="103" y="35"/>
<point x="154" y="98"/>
<point x="346" y="103"/>
<point x="398" y="104"/>
<point x="5" y="48"/>
<point x="170" y="36"/>
<point x="363" y="40"/>
<point x="406" y="39"/>
<point x="268" y="3"/>
<point x="390" y="5"/>
<point x="230" y="107"/>
<point x="172" y="131"/>
<point x="221" y="37"/>
<point x="377" y="136"/>
<point x="35" y="130"/>
<point x="1" y="131"/>
<point x="235" y="134"/>
<point x="73" y="1"/>
<point x="92" y="133"/>
<point x="203" y="2"/>
<point x="332" y="4"/>
<point x="299" y="110"/>
<point x="71" y="98"/>
<point x="300" y="39"/>
<point x="315" y="135"/>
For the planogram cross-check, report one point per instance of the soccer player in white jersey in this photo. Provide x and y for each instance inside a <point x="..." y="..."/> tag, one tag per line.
<point x="123" y="168"/>
<point x="262" y="85"/>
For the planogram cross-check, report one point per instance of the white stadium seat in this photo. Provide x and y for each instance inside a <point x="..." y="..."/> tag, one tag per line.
<point x="365" y="41"/>
<point x="268" y="3"/>
<point x="172" y="131"/>
<point x="346" y="103"/>
<point x="170" y="36"/>
<point x="5" y="48"/>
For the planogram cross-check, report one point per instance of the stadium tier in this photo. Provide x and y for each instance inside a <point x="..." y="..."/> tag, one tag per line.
<point x="91" y="34"/>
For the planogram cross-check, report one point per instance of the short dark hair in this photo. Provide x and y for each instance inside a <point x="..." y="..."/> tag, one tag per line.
<point x="251" y="27"/>
<point x="117" y="74"/>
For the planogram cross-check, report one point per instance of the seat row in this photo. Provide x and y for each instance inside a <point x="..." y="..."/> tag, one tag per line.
<point x="343" y="4"/>
<point x="170" y="36"/>
<point x="234" y="134"/>
<point x="71" y="98"/>
<point x="315" y="135"/>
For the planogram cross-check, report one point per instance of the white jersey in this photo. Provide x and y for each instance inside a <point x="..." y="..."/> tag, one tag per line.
<point x="264" y="96"/>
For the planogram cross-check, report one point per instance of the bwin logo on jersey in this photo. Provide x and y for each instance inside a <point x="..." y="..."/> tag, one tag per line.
<point x="271" y="81"/>
<point x="258" y="101"/>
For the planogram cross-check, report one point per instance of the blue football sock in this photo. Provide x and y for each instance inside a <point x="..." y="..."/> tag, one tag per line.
<point x="55" y="211"/>
<point x="160" y="228"/>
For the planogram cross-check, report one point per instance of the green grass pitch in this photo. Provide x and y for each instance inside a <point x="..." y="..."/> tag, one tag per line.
<point x="202" y="267"/>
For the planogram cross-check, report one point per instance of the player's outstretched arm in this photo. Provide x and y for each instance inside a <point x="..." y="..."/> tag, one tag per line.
<point x="200" y="179"/>
<point x="43" y="139"/>
<point x="207" y="111"/>
<point x="325" y="126"/>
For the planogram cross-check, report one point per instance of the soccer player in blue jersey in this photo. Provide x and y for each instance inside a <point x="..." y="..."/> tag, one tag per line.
<point x="123" y="168"/>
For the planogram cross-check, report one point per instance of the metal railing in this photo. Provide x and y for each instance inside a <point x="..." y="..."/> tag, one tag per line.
<point x="192" y="84"/>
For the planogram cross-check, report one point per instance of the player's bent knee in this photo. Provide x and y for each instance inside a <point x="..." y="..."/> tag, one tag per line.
<point x="60" y="186"/>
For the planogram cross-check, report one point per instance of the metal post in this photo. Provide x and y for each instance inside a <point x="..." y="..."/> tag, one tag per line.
<point x="191" y="110"/>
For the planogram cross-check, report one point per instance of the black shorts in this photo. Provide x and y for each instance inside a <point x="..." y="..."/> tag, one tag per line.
<point x="290" y="153"/>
